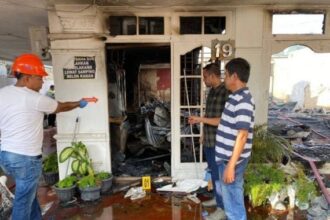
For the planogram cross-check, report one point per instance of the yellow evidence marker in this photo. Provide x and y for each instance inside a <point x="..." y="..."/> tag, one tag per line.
<point x="146" y="183"/>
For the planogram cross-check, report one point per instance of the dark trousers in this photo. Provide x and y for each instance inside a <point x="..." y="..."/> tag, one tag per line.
<point x="51" y="120"/>
<point x="212" y="165"/>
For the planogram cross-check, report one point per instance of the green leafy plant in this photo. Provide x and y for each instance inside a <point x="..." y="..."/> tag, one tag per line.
<point x="260" y="192"/>
<point x="88" y="181"/>
<point x="67" y="182"/>
<point x="50" y="163"/>
<point x="261" y="180"/>
<point x="267" y="147"/>
<point x="264" y="176"/>
<point x="81" y="164"/>
<point x="103" y="175"/>
<point x="306" y="189"/>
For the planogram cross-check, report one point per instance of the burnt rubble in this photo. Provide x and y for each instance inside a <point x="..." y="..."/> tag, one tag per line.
<point x="147" y="151"/>
<point x="307" y="130"/>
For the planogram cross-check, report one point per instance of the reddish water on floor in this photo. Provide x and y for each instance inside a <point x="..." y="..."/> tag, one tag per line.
<point x="152" y="207"/>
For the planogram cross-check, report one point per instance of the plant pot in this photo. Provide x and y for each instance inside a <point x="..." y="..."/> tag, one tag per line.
<point x="106" y="185"/>
<point x="302" y="205"/>
<point x="51" y="178"/>
<point x="65" y="194"/>
<point x="90" y="193"/>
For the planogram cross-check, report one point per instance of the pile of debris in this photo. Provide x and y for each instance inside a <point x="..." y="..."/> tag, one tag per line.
<point x="307" y="130"/>
<point x="146" y="150"/>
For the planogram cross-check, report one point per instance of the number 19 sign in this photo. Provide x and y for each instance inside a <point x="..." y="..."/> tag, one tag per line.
<point x="222" y="50"/>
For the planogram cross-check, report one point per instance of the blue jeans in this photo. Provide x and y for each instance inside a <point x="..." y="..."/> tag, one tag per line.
<point x="26" y="171"/>
<point x="233" y="193"/>
<point x="212" y="165"/>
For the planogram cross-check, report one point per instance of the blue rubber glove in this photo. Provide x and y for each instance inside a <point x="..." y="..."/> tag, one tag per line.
<point x="82" y="103"/>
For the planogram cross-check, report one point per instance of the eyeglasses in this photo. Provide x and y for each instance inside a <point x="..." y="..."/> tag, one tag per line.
<point x="36" y="77"/>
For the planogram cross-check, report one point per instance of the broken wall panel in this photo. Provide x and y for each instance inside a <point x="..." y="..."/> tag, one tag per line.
<point x="155" y="83"/>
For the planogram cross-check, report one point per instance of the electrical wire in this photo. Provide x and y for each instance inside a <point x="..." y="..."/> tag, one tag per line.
<point x="74" y="138"/>
<point x="22" y="5"/>
<point x="190" y="126"/>
<point x="73" y="11"/>
<point x="150" y="6"/>
<point x="13" y="36"/>
<point x="315" y="171"/>
<point x="312" y="164"/>
<point x="46" y="8"/>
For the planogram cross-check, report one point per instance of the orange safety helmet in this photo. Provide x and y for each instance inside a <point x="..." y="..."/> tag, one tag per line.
<point x="29" y="64"/>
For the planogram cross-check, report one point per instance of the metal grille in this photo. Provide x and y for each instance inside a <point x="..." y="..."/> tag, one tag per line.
<point x="192" y="101"/>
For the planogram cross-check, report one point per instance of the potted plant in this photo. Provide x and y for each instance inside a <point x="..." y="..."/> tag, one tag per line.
<point x="305" y="190"/>
<point x="106" y="181"/>
<point x="50" y="169"/>
<point x="268" y="147"/>
<point x="65" y="188"/>
<point x="90" y="188"/>
<point x="81" y="164"/>
<point x="265" y="177"/>
<point x="261" y="180"/>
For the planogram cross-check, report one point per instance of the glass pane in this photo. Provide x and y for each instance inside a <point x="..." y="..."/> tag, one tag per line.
<point x="191" y="62"/>
<point x="187" y="152"/>
<point x="185" y="127"/>
<point x="190" y="92"/>
<point x="190" y="25"/>
<point x="214" y="25"/>
<point x="298" y="24"/>
<point x="151" y="25"/>
<point x="122" y="25"/>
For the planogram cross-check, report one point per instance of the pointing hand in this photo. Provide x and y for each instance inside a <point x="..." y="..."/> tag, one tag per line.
<point x="82" y="103"/>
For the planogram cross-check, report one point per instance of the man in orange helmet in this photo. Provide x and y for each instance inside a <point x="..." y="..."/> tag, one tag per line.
<point x="22" y="110"/>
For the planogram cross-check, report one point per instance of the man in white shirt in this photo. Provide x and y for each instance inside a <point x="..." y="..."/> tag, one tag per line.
<point x="22" y="110"/>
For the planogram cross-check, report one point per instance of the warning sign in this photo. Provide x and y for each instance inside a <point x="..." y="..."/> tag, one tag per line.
<point x="84" y="68"/>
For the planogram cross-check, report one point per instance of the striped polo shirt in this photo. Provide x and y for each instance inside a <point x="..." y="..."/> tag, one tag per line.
<point x="238" y="115"/>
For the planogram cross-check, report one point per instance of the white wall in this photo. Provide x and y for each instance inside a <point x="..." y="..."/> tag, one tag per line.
<point x="93" y="126"/>
<point x="302" y="77"/>
<point x="249" y="45"/>
<point x="317" y="43"/>
<point x="4" y="80"/>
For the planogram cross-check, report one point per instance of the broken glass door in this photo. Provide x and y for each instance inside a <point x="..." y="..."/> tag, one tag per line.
<point x="190" y="100"/>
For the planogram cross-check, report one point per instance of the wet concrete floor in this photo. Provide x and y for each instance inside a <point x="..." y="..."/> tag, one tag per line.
<point x="152" y="207"/>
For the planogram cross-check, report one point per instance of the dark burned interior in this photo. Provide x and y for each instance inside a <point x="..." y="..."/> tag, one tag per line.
<point x="139" y="78"/>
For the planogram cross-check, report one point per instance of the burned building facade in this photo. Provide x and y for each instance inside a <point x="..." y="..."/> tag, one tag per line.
<point x="147" y="70"/>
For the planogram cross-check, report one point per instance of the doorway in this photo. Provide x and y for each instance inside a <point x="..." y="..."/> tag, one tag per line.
<point x="139" y="94"/>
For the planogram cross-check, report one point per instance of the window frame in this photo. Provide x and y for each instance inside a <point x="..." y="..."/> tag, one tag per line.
<point x="299" y="12"/>
<point x="137" y="24"/>
<point x="228" y="14"/>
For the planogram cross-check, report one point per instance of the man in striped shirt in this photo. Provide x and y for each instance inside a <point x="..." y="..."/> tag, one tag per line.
<point x="234" y="138"/>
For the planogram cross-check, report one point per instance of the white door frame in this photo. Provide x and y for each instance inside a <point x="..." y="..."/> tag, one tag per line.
<point x="188" y="169"/>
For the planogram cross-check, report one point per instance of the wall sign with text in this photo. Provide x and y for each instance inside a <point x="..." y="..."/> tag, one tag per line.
<point x="84" y="68"/>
